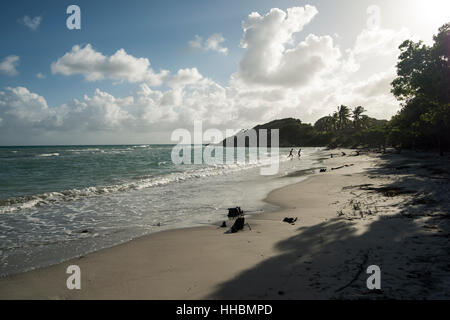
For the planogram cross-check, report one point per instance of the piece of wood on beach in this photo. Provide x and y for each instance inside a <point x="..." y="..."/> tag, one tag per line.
<point x="238" y="225"/>
<point x="290" y="220"/>
<point x="343" y="166"/>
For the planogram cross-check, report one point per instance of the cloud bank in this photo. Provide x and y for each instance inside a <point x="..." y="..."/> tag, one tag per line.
<point x="280" y="75"/>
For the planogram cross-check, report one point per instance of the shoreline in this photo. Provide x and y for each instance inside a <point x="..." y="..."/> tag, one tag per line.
<point x="262" y="206"/>
<point x="275" y="260"/>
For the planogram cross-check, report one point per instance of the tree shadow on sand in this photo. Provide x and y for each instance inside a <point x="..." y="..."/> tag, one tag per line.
<point x="329" y="260"/>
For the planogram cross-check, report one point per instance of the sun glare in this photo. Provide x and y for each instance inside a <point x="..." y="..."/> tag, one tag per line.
<point x="435" y="12"/>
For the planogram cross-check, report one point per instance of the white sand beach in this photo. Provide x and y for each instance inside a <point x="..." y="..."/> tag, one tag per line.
<point x="390" y="211"/>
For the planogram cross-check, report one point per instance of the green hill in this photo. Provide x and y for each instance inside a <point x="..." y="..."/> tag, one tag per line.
<point x="294" y="133"/>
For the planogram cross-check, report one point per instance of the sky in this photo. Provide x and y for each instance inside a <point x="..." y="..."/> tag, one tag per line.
<point x="138" y="70"/>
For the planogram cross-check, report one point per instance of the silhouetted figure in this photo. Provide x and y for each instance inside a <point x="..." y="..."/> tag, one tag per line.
<point x="291" y="153"/>
<point x="299" y="153"/>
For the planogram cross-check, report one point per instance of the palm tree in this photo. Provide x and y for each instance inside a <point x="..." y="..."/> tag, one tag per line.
<point x="331" y="123"/>
<point x="335" y="118"/>
<point x="357" y="112"/>
<point x="343" y="116"/>
<point x="364" y="121"/>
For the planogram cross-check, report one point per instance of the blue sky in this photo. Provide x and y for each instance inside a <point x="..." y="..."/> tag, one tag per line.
<point x="161" y="31"/>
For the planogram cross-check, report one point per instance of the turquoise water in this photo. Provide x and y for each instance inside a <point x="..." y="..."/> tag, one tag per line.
<point x="37" y="170"/>
<point x="60" y="202"/>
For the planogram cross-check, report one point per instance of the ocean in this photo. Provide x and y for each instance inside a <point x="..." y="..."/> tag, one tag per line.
<point x="61" y="202"/>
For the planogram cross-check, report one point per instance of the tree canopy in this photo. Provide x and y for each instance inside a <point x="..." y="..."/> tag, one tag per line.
<point x="422" y="86"/>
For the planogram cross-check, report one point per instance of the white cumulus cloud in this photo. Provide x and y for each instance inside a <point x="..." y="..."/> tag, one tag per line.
<point x="32" y="23"/>
<point x="21" y="108"/>
<point x="185" y="77"/>
<point x="9" y="64"/>
<point x="282" y="73"/>
<point x="93" y="65"/>
<point x="212" y="43"/>
<point x="272" y="58"/>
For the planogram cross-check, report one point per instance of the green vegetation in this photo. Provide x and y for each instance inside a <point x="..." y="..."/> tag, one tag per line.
<point x="344" y="128"/>
<point x="350" y="128"/>
<point x="423" y="88"/>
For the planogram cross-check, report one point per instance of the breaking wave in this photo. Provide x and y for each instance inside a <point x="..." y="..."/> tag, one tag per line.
<point x="56" y="154"/>
<point x="29" y="201"/>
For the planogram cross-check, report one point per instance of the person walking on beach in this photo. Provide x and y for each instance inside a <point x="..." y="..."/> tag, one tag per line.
<point x="291" y="153"/>
<point x="299" y="153"/>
